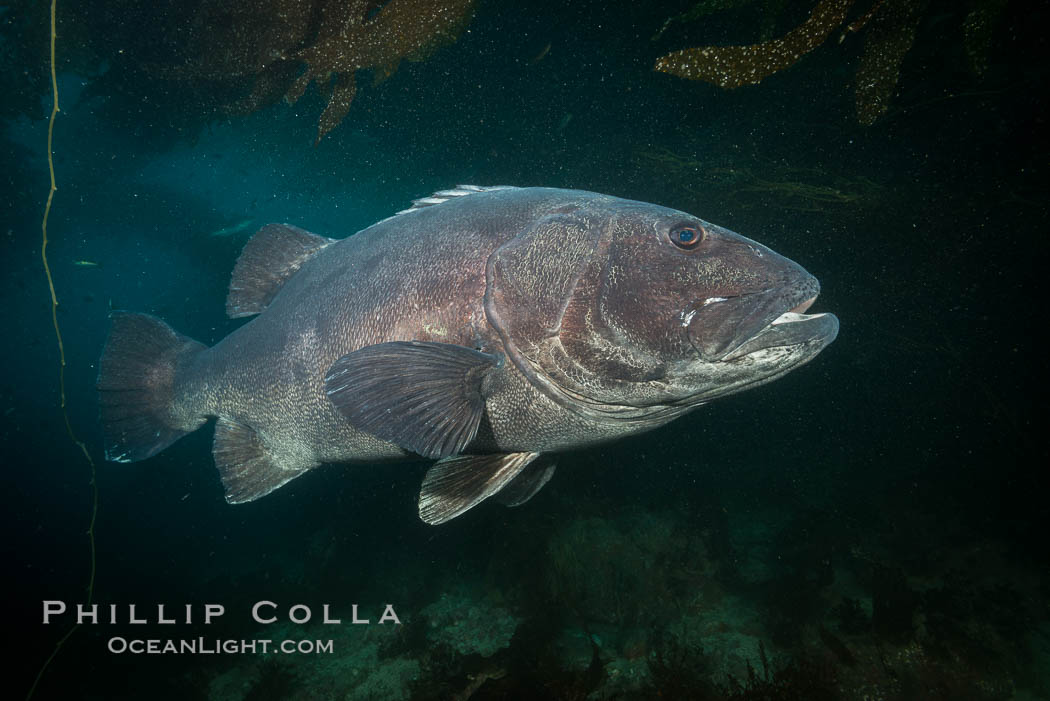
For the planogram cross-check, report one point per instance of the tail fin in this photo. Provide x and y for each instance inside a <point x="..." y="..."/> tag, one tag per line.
<point x="136" y="386"/>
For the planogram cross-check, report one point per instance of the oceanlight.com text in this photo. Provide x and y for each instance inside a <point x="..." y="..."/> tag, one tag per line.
<point x="215" y="646"/>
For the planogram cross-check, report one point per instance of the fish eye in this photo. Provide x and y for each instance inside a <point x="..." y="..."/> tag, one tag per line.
<point x="686" y="237"/>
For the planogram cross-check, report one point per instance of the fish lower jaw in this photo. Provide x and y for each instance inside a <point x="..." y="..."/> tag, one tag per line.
<point x="807" y="333"/>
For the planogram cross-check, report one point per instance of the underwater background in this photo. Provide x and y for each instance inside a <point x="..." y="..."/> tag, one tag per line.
<point x="872" y="526"/>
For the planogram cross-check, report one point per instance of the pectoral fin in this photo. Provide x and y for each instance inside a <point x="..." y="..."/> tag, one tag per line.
<point x="425" y="397"/>
<point x="457" y="484"/>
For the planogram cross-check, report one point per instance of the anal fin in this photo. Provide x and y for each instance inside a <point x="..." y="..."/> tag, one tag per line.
<point x="456" y="484"/>
<point x="247" y="468"/>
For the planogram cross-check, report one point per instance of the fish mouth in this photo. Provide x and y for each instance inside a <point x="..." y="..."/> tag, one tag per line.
<point x="725" y="329"/>
<point x="791" y="329"/>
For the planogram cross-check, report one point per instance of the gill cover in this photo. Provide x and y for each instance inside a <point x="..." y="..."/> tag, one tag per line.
<point x="532" y="279"/>
<point x="541" y="298"/>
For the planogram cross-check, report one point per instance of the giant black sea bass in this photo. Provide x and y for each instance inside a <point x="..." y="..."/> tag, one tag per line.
<point x="486" y="328"/>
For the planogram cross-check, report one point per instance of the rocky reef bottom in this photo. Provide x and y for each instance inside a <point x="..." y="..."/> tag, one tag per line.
<point x="657" y="604"/>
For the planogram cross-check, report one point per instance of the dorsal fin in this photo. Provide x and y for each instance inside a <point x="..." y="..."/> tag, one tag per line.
<point x="268" y="260"/>
<point x="458" y="191"/>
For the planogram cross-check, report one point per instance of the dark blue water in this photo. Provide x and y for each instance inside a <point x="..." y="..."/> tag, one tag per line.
<point x="870" y="526"/>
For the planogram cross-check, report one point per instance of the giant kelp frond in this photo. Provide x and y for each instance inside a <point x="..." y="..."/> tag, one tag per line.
<point x="889" y="28"/>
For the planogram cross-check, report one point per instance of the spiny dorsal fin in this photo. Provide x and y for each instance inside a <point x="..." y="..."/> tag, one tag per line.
<point x="248" y="470"/>
<point x="456" y="484"/>
<point x="269" y="259"/>
<point x="458" y="191"/>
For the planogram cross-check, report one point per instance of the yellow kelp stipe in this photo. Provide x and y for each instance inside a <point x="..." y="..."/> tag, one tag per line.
<point x="62" y="356"/>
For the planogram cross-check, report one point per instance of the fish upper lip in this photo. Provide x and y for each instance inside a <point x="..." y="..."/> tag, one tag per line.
<point x="790" y="329"/>
<point x="748" y="322"/>
<point x="718" y="325"/>
<point x="801" y="309"/>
